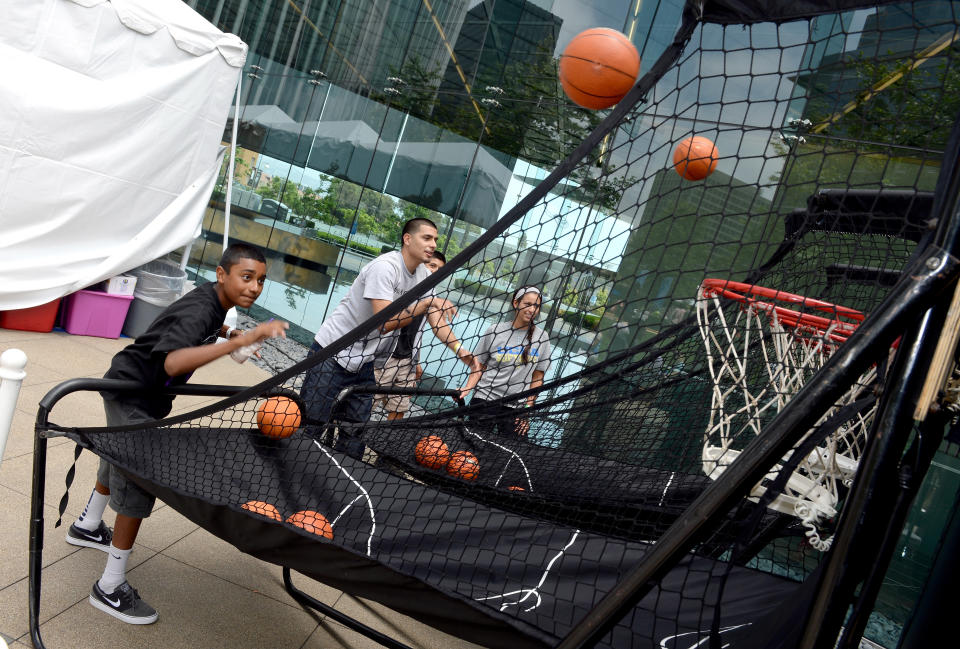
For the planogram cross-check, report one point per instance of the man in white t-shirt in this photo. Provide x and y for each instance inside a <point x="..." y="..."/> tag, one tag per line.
<point x="379" y="283"/>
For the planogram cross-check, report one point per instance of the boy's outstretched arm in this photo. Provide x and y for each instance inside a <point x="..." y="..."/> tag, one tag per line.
<point x="444" y="333"/>
<point x="476" y="372"/>
<point x="187" y="359"/>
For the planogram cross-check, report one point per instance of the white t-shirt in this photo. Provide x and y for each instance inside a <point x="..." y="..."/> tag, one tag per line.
<point x="384" y="278"/>
<point x="501" y="350"/>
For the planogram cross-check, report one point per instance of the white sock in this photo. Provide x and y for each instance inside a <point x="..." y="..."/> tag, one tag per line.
<point x="93" y="512"/>
<point x="116" y="571"/>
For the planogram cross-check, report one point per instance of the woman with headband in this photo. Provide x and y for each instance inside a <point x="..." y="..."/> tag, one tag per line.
<point x="513" y="357"/>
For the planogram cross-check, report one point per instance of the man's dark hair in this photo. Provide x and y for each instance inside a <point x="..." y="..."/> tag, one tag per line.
<point x="237" y="251"/>
<point x="413" y="226"/>
<point x="439" y="255"/>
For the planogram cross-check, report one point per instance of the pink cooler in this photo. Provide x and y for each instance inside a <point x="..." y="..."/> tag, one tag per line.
<point x="94" y="313"/>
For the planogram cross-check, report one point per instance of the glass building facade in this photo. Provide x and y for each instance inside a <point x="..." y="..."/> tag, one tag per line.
<point x="356" y="115"/>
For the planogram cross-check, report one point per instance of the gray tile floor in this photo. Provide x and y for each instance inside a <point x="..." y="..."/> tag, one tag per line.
<point x="209" y="594"/>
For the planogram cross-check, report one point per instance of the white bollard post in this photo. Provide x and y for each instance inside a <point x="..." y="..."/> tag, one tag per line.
<point x="12" y="374"/>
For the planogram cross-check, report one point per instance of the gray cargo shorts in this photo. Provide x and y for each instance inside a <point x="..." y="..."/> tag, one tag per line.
<point x="126" y="497"/>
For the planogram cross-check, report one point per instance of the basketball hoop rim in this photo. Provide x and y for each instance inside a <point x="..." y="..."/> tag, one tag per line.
<point x="748" y="294"/>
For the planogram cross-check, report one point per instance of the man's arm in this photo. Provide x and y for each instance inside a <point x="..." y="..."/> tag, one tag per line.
<point x="475" y="373"/>
<point x="444" y="333"/>
<point x="187" y="359"/>
<point x="413" y="311"/>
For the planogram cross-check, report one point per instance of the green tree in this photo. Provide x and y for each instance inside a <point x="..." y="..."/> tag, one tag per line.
<point x="240" y="173"/>
<point x="601" y="294"/>
<point x="310" y="204"/>
<point x="451" y="248"/>
<point x="240" y="168"/>
<point x="367" y="223"/>
<point x="390" y="229"/>
<point x="898" y="100"/>
<point x="868" y="136"/>
<point x="413" y="211"/>
<point x="281" y="190"/>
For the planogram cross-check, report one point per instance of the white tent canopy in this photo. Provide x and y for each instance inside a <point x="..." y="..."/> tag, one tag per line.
<point x="111" y="119"/>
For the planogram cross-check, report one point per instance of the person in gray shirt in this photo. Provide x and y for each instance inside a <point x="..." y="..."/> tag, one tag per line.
<point x="514" y="357"/>
<point x="379" y="283"/>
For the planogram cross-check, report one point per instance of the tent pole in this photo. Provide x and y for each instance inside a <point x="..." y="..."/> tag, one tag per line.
<point x="185" y="259"/>
<point x="232" y="316"/>
<point x="230" y="163"/>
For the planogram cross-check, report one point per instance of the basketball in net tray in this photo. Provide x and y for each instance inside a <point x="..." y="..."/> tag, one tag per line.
<point x="762" y="346"/>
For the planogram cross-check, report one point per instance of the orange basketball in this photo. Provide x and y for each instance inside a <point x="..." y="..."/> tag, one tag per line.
<point x="278" y="417"/>
<point x="598" y="67"/>
<point x="432" y="453"/>
<point x="262" y="508"/>
<point x="695" y="158"/>
<point x="464" y="464"/>
<point x="313" y="522"/>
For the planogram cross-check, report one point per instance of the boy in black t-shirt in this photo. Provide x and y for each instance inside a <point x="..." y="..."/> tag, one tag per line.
<point x="178" y="342"/>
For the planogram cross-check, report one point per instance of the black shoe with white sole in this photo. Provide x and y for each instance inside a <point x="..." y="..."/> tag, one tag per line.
<point x="99" y="538"/>
<point x="123" y="603"/>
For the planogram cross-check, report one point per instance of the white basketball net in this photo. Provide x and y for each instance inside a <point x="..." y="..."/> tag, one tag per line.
<point x="757" y="364"/>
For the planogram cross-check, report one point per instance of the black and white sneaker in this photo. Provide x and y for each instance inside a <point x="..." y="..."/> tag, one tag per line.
<point x="123" y="603"/>
<point x="99" y="538"/>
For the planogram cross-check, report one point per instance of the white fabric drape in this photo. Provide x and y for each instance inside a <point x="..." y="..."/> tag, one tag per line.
<point x="111" y="120"/>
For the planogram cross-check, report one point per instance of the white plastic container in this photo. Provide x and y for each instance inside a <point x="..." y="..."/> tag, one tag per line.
<point x="120" y="285"/>
<point x="241" y="354"/>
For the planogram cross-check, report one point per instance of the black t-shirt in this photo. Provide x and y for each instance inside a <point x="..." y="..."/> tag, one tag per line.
<point x="406" y="338"/>
<point x="193" y="320"/>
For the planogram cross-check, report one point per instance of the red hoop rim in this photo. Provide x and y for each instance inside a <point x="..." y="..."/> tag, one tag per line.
<point x="745" y="293"/>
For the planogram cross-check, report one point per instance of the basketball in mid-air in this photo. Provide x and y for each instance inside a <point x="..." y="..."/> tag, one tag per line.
<point x="313" y="522"/>
<point x="432" y="453"/>
<point x="262" y="508"/>
<point x="278" y="417"/>
<point x="464" y="464"/>
<point x="695" y="158"/>
<point x="598" y="67"/>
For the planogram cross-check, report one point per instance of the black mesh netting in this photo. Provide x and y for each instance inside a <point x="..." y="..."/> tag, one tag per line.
<point x="509" y="526"/>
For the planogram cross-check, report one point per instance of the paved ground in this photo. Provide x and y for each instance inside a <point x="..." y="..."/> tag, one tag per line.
<point x="209" y="595"/>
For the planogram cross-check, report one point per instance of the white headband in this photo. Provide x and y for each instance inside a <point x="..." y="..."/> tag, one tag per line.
<point x="523" y="290"/>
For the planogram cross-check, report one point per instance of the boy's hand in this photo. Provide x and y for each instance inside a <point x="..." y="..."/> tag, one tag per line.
<point x="271" y="329"/>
